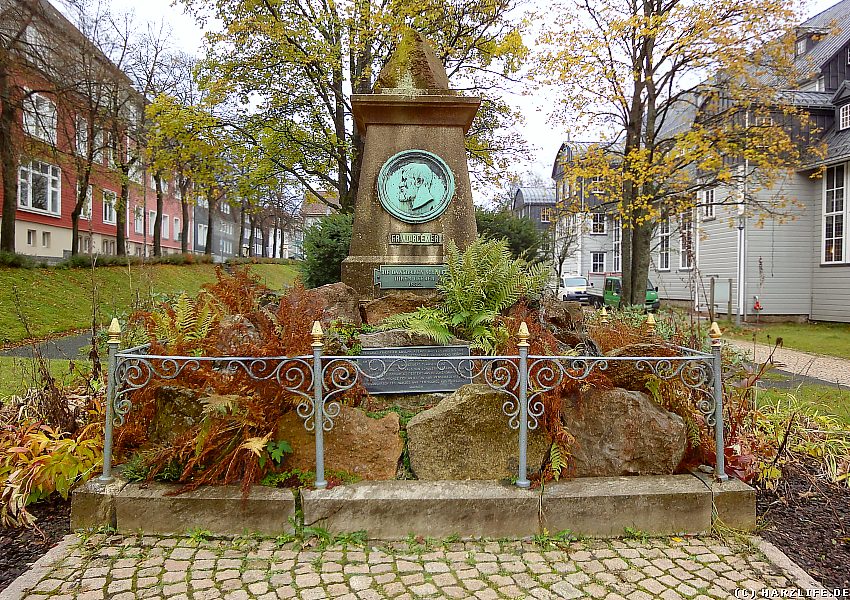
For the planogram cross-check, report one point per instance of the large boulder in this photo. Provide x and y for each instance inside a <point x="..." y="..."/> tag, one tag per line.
<point x="177" y="409"/>
<point x="339" y="303"/>
<point x="622" y="432"/>
<point x="235" y="332"/>
<point x="394" y="338"/>
<point x="357" y="444"/>
<point x="390" y="305"/>
<point x="632" y="375"/>
<point x="562" y="315"/>
<point x="467" y="436"/>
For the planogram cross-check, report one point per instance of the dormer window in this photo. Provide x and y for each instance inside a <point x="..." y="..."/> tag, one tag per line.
<point x="801" y="46"/>
<point x="844" y="117"/>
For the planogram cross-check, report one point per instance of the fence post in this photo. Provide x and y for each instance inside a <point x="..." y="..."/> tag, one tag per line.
<point x="719" y="444"/>
<point x="112" y="343"/>
<point x="319" y="404"/>
<point x="522" y="476"/>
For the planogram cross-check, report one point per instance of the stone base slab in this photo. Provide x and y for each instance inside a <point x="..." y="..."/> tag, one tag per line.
<point x="93" y="504"/>
<point x="607" y="506"/>
<point x="734" y="502"/>
<point x="390" y="510"/>
<point x="592" y="506"/>
<point x="220" y="510"/>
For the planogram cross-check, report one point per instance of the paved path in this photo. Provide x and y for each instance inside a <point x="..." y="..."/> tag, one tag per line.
<point x="123" y="568"/>
<point x="826" y="368"/>
<point x="63" y="348"/>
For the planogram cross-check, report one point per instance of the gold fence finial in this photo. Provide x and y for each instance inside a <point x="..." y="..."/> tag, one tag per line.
<point x="523" y="334"/>
<point x="650" y="323"/>
<point x="114" y="331"/>
<point x="317" y="333"/>
<point x="715" y="334"/>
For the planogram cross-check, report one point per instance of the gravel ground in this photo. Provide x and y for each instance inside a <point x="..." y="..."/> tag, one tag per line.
<point x="826" y="368"/>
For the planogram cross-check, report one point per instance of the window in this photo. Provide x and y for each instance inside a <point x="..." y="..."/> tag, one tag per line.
<point x="178" y="233"/>
<point x="82" y="135"/>
<point x="85" y="211"/>
<point x="31" y="233"/>
<point x="833" y="215"/>
<point x="599" y="223"/>
<point x="202" y="235"/>
<point x="546" y="214"/>
<point x="686" y="242"/>
<point x="225" y="208"/>
<point x="165" y="227"/>
<point x="110" y="150"/>
<point x="708" y="204"/>
<point x="225" y="246"/>
<point x="40" y="118"/>
<point x="151" y="221"/>
<point x="39" y="188"/>
<point x="844" y="117"/>
<point x="801" y="46"/>
<point x="596" y="184"/>
<point x="97" y="153"/>
<point x="226" y="228"/>
<point x="108" y="246"/>
<point x="202" y="202"/>
<point x="597" y="262"/>
<point x="45" y="239"/>
<point x="617" y="246"/>
<point x="664" y="244"/>
<point x="109" y="202"/>
<point x="139" y="220"/>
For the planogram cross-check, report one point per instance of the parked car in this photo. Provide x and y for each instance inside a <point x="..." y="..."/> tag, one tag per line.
<point x="573" y="288"/>
<point x="605" y="290"/>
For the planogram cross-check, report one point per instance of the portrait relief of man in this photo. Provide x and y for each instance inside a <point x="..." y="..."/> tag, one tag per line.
<point x="416" y="185"/>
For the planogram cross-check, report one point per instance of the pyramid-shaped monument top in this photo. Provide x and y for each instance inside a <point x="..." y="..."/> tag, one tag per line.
<point x="413" y="68"/>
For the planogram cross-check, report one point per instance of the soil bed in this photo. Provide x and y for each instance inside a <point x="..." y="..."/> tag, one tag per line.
<point x="22" y="547"/>
<point x="809" y="520"/>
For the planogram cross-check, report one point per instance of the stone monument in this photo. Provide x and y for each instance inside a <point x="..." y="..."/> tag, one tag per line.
<point x="414" y="194"/>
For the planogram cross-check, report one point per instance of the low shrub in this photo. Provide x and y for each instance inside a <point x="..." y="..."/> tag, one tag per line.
<point x="17" y="261"/>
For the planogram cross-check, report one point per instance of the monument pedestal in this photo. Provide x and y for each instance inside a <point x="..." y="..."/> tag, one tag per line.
<point x="414" y="194"/>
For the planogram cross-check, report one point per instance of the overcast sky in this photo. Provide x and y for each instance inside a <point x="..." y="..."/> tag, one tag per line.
<point x="542" y="136"/>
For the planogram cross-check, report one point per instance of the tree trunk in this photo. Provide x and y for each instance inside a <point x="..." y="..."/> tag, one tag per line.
<point x="9" y="165"/>
<point x="210" y="209"/>
<point x="251" y="239"/>
<point x="241" y="231"/>
<point x="184" y="206"/>
<point x="157" y="222"/>
<point x="121" y="218"/>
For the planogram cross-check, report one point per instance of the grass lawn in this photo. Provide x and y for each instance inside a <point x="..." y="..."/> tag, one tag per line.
<point x="19" y="374"/>
<point x="825" y="400"/>
<point x="275" y="276"/>
<point x="832" y="339"/>
<point x="55" y="301"/>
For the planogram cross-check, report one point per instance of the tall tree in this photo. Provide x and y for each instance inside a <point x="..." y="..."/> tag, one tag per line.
<point x="286" y="71"/>
<point x="685" y="91"/>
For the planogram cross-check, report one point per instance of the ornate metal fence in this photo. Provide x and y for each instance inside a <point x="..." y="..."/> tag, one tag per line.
<point x="320" y="380"/>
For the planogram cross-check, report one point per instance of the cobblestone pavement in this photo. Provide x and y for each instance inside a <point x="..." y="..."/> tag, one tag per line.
<point x="825" y="368"/>
<point x="123" y="568"/>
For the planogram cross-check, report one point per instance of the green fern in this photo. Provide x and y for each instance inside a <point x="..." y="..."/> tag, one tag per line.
<point x="479" y="283"/>
<point x="557" y="460"/>
<point x="187" y="320"/>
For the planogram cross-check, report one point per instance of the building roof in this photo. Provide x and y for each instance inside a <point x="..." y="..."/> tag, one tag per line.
<point x="534" y="196"/>
<point x="807" y="99"/>
<point x="830" y="43"/>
